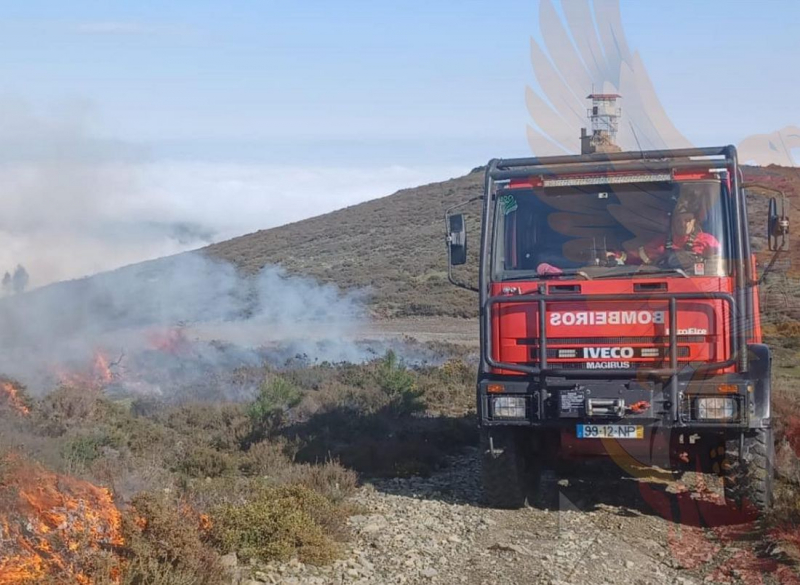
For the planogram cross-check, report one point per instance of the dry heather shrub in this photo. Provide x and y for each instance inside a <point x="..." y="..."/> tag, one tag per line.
<point x="202" y="461"/>
<point x="329" y="479"/>
<point x="66" y="407"/>
<point x="269" y="461"/>
<point x="279" y="523"/>
<point x="788" y="333"/>
<point x="785" y="517"/>
<point x="266" y="465"/>
<point x="224" y="426"/>
<point x="267" y="457"/>
<point x="165" y="544"/>
<point x="449" y="388"/>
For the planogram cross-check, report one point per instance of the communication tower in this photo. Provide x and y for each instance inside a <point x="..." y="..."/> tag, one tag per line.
<point x="604" y="116"/>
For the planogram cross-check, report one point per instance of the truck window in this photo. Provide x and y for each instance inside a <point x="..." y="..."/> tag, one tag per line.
<point x="611" y="230"/>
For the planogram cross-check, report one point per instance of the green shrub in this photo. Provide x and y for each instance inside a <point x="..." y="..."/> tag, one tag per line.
<point x="85" y="448"/>
<point x="279" y="523"/>
<point x="202" y="461"/>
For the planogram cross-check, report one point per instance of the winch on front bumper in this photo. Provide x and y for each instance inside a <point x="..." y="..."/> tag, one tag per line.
<point x="723" y="401"/>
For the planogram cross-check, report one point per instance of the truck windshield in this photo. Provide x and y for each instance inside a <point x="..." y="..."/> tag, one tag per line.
<point x="611" y="231"/>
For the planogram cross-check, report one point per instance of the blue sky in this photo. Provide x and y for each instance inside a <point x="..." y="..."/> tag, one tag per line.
<point x="129" y="130"/>
<point x="416" y="81"/>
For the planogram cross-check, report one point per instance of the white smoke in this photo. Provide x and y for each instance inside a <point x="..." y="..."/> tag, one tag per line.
<point x="74" y="203"/>
<point x="229" y="319"/>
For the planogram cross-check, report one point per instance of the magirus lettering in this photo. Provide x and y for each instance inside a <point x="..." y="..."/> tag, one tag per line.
<point x="570" y="319"/>
<point x="607" y="352"/>
<point x="608" y="365"/>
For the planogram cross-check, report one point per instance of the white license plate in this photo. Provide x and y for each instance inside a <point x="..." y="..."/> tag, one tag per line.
<point x="610" y="431"/>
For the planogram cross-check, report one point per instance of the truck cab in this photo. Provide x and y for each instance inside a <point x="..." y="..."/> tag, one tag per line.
<point x="619" y="317"/>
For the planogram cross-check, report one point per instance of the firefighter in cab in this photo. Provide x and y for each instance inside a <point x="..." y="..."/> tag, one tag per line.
<point x="685" y="241"/>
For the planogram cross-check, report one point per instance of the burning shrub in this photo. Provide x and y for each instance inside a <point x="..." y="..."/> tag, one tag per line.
<point x="55" y="527"/>
<point x="166" y="544"/>
<point x="13" y="397"/>
<point x="278" y="523"/>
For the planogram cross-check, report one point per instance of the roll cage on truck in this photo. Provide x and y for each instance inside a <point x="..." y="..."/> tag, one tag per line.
<point x="604" y="332"/>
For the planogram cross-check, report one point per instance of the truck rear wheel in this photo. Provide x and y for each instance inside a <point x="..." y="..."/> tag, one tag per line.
<point x="503" y="469"/>
<point x="749" y="478"/>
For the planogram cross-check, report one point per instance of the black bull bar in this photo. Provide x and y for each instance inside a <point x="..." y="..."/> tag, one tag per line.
<point x="671" y="299"/>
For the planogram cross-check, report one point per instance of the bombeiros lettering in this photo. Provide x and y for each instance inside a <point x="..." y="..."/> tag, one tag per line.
<point x="570" y="319"/>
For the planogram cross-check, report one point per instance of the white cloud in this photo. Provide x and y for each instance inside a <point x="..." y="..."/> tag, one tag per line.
<point x="237" y="198"/>
<point x="129" y="28"/>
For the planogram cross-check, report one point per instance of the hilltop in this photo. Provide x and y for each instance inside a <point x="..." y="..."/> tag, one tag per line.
<point x="393" y="246"/>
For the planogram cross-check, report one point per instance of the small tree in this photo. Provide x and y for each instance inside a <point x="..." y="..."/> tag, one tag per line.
<point x="7" y="283"/>
<point x="20" y="279"/>
<point x="398" y="384"/>
<point x="275" y="397"/>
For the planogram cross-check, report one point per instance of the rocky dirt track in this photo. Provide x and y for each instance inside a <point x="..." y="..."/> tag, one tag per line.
<point x="607" y="530"/>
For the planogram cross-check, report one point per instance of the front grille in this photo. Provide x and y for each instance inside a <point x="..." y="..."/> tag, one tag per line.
<point x="663" y="353"/>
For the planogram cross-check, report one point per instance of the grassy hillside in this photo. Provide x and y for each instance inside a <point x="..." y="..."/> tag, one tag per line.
<point x="394" y="246"/>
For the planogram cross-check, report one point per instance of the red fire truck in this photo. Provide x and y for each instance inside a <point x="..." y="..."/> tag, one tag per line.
<point x="619" y="316"/>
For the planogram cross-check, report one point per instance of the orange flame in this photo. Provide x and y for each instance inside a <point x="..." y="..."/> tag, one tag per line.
<point x="98" y="375"/>
<point x="172" y="341"/>
<point x="49" y="522"/>
<point x="101" y="371"/>
<point x="10" y="395"/>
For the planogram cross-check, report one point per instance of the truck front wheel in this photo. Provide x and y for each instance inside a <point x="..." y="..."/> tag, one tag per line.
<point x="503" y="468"/>
<point x="748" y="476"/>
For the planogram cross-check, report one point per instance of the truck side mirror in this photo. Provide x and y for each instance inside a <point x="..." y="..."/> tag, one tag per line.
<point x="457" y="239"/>
<point x="778" y="224"/>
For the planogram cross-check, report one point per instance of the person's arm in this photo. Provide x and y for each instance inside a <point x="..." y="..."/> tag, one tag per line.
<point x="710" y="244"/>
<point x="620" y="257"/>
<point x="652" y="251"/>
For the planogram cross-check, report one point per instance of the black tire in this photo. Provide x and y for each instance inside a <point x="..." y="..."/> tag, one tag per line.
<point x="502" y="469"/>
<point x="749" y="479"/>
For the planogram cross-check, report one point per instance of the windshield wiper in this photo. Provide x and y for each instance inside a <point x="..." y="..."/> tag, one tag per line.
<point x="639" y="274"/>
<point x="537" y="276"/>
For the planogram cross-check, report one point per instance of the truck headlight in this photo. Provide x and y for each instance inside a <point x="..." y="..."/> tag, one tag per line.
<point x="508" y="407"/>
<point x="716" y="408"/>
